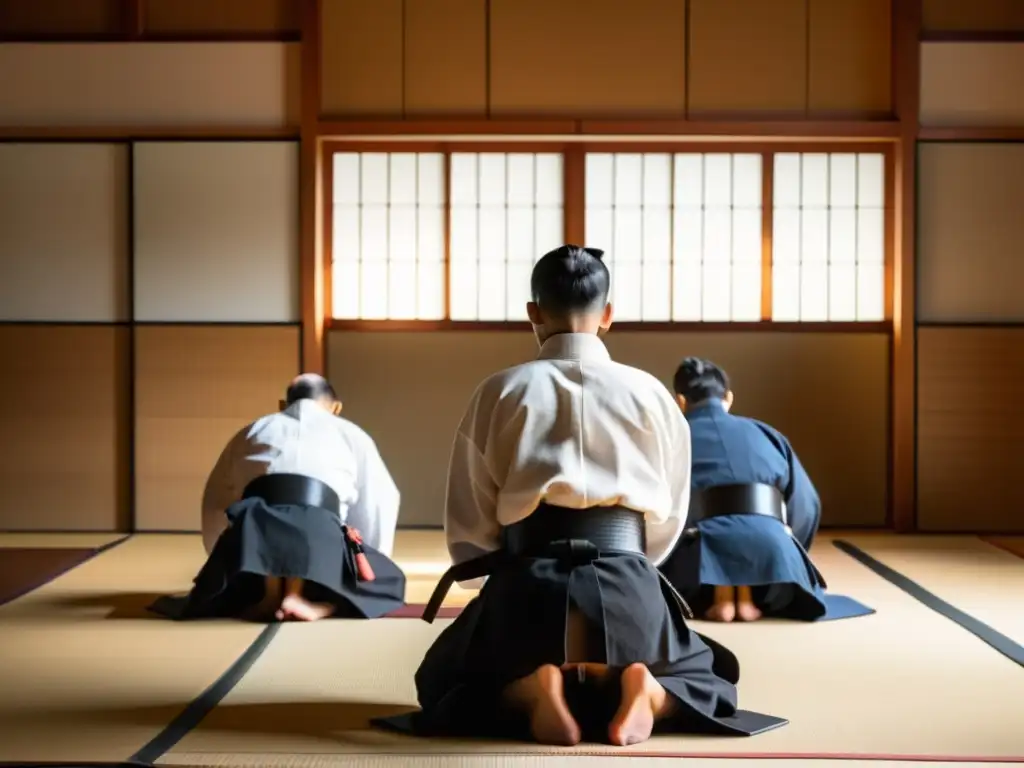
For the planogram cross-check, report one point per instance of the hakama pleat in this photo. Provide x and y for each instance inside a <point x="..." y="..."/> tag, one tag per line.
<point x="287" y="541"/>
<point x="755" y="551"/>
<point x="518" y="623"/>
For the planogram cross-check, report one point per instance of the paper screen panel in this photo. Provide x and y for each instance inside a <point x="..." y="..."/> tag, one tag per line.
<point x="217" y="232"/>
<point x="828" y="239"/>
<point x="969" y="231"/>
<point x="64" y="232"/>
<point x="506" y="211"/>
<point x="682" y="232"/>
<point x="972" y="84"/>
<point x="388" y="235"/>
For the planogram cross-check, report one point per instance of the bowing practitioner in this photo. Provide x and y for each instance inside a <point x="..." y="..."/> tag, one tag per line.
<point x="753" y="515"/>
<point x="568" y="481"/>
<point x="299" y="518"/>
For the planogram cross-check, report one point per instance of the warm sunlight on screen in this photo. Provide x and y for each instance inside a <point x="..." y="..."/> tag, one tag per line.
<point x="829" y="237"/>
<point x="682" y="231"/>
<point x="388" y="239"/>
<point x="506" y="212"/>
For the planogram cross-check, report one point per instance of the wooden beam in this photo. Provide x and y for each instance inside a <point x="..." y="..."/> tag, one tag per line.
<point x="434" y="326"/>
<point x="966" y="133"/>
<point x="134" y="18"/>
<point x="726" y="130"/>
<point x="311" y="270"/>
<point x="100" y="133"/>
<point x="767" y="235"/>
<point x="903" y="402"/>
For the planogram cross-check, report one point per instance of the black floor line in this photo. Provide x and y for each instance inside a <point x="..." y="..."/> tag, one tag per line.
<point x="61" y="571"/>
<point x="1000" y="642"/>
<point x="205" y="703"/>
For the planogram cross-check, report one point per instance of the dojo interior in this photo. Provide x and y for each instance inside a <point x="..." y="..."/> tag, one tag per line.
<point x="824" y="196"/>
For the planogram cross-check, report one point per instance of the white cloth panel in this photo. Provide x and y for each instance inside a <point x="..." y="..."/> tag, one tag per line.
<point x="150" y="84"/>
<point x="63" y="232"/>
<point x="217" y="232"/>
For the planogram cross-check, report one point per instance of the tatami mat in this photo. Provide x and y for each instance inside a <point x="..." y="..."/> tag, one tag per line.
<point x="96" y="677"/>
<point x="903" y="682"/>
<point x="424" y="558"/>
<point x="69" y="663"/>
<point x="953" y="568"/>
<point x="22" y="570"/>
<point x="58" y="540"/>
<point x="1011" y="544"/>
<point x="523" y="761"/>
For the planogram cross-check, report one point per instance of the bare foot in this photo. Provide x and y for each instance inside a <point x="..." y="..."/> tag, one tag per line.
<point x="643" y="702"/>
<point x="745" y="605"/>
<point x="724" y="608"/>
<point x="721" y="612"/>
<point x="748" y="612"/>
<point x="297" y="608"/>
<point x="542" y="696"/>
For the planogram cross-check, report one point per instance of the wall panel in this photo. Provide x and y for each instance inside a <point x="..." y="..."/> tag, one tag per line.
<point x="588" y="57"/>
<point x="970" y="429"/>
<point x="748" y="56"/>
<point x="64" y="428"/>
<point x="445" y="57"/>
<point x="828" y="393"/>
<point x="253" y="85"/>
<point x="195" y="387"/>
<point x="216" y="232"/>
<point x="850" y="56"/>
<point x="361" y="58"/>
<point x="60" y="17"/>
<point x="973" y="16"/>
<point x="970" y="231"/>
<point x="259" y="17"/>
<point x="972" y="84"/>
<point x="63" y="232"/>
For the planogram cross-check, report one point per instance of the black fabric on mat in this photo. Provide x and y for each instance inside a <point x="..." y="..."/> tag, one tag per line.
<point x="1000" y="642"/>
<point x="205" y="703"/>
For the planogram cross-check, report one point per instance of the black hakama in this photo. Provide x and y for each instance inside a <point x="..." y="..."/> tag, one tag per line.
<point x="266" y="537"/>
<point x="518" y="623"/>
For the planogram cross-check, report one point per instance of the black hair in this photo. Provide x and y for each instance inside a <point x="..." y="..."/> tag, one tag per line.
<point x="570" y="280"/>
<point x="309" y="386"/>
<point x="697" y="379"/>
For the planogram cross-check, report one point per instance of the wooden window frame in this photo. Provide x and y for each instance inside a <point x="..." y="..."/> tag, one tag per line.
<point x="574" y="186"/>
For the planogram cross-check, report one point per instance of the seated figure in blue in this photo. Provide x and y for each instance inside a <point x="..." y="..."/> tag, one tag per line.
<point x="753" y="515"/>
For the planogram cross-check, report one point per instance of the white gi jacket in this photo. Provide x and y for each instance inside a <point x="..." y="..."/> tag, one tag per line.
<point x="573" y="429"/>
<point x="305" y="439"/>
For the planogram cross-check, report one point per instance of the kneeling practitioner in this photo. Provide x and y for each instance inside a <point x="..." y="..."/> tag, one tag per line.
<point x="568" y="481"/>
<point x="753" y="515"/>
<point x="299" y="519"/>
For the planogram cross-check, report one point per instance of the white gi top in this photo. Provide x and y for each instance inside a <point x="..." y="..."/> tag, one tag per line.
<point x="573" y="429"/>
<point x="305" y="439"/>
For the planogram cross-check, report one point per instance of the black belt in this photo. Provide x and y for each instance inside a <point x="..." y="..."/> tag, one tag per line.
<point x="745" y="499"/>
<point x="573" y="535"/>
<point x="296" y="490"/>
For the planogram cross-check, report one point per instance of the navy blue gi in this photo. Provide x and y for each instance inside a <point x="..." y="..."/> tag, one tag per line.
<point x="752" y="549"/>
